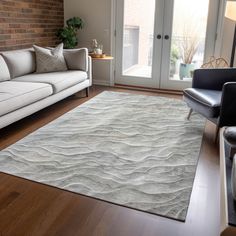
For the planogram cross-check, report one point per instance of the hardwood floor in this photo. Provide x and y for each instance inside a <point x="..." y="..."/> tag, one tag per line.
<point x="29" y="208"/>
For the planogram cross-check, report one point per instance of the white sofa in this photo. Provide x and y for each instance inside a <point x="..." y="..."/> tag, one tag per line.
<point x="24" y="92"/>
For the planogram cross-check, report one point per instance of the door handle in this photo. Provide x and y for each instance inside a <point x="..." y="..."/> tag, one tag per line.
<point x="167" y="37"/>
<point x="158" y="36"/>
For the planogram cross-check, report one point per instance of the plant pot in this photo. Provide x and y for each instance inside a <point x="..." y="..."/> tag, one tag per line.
<point x="185" y="70"/>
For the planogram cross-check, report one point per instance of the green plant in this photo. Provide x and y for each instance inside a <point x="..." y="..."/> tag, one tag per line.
<point x="174" y="53"/>
<point x="68" y="34"/>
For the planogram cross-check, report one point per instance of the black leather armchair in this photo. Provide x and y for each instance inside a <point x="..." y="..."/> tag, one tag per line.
<point x="213" y="95"/>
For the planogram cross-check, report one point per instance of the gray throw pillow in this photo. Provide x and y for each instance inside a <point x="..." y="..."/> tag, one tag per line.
<point x="76" y="59"/>
<point x="50" y="60"/>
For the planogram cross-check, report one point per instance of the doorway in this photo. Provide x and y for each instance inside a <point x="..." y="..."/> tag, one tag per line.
<point x="159" y="43"/>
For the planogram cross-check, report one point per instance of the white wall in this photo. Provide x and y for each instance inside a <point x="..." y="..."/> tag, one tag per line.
<point x="97" y="17"/>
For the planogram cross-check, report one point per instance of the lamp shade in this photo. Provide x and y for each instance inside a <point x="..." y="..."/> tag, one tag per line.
<point x="230" y="11"/>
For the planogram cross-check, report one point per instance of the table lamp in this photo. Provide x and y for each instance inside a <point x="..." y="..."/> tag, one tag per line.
<point x="230" y="13"/>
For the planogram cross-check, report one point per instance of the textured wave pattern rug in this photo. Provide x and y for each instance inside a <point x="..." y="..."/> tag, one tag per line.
<point x="133" y="150"/>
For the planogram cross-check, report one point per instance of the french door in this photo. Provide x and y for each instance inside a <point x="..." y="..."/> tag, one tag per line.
<point x="160" y="42"/>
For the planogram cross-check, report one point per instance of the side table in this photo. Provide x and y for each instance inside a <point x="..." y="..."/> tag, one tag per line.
<point x="103" y="70"/>
<point x="103" y="58"/>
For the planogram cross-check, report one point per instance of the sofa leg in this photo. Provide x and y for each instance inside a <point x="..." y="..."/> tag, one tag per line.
<point x="190" y="113"/>
<point x="217" y="133"/>
<point x="87" y="91"/>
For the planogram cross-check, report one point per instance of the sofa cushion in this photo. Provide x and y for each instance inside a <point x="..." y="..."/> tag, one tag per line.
<point x="50" y="60"/>
<point x="76" y="59"/>
<point x="58" y="80"/>
<point x="14" y="95"/>
<point x="4" y="72"/>
<point x="206" y="102"/>
<point x="20" y="62"/>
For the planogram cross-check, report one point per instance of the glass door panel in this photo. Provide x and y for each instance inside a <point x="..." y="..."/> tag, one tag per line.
<point x="188" y="38"/>
<point x="138" y="30"/>
<point x="138" y="21"/>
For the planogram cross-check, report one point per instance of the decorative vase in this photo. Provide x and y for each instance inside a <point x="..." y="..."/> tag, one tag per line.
<point x="94" y="45"/>
<point x="185" y="70"/>
<point x="233" y="178"/>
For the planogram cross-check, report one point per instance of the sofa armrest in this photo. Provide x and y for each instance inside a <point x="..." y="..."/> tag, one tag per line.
<point x="77" y="59"/>
<point x="228" y="105"/>
<point x="90" y="70"/>
<point x="213" y="79"/>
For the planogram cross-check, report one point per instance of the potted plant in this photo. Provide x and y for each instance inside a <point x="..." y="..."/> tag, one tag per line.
<point x="188" y="48"/>
<point x="68" y="34"/>
<point x="174" y="56"/>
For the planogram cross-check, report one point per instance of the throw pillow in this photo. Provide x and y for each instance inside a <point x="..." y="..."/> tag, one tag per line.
<point x="50" y="60"/>
<point x="76" y="59"/>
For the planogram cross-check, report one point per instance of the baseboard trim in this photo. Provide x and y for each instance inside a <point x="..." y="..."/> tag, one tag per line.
<point x="166" y="91"/>
<point x="101" y="82"/>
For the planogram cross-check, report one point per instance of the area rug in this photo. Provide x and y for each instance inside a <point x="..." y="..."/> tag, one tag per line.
<point x="132" y="150"/>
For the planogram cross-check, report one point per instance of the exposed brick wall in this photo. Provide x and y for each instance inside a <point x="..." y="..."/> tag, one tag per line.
<point x="27" y="22"/>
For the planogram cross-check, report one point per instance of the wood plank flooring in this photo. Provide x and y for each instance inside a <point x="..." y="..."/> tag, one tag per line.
<point x="29" y="208"/>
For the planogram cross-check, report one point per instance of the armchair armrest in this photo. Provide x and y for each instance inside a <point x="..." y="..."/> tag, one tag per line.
<point x="213" y="79"/>
<point x="228" y="105"/>
<point x="77" y="59"/>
